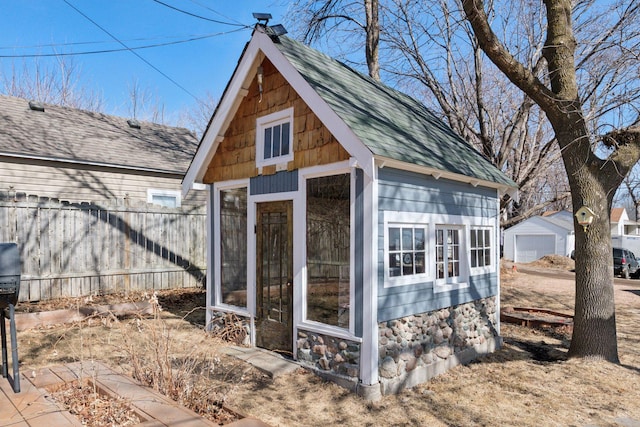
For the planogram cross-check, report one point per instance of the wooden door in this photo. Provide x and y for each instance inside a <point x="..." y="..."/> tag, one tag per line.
<point x="274" y="304"/>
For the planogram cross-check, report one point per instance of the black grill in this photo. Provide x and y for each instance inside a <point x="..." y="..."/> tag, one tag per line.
<point x="9" y="290"/>
<point x="9" y="274"/>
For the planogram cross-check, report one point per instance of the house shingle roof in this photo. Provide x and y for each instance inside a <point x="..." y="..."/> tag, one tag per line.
<point x="391" y="124"/>
<point x="68" y="134"/>
<point x="616" y="214"/>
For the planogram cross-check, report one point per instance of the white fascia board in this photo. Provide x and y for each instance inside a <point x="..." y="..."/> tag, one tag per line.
<point x="338" y="128"/>
<point x="235" y="92"/>
<point x="438" y="173"/>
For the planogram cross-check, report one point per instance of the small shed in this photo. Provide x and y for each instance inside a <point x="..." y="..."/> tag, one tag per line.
<point x="538" y="236"/>
<point x="349" y="228"/>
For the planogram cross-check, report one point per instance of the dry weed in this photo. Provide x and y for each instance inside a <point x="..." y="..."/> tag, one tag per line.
<point x="95" y="409"/>
<point x="528" y="382"/>
<point x="186" y="374"/>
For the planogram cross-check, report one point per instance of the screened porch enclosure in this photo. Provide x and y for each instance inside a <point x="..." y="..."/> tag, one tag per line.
<point x="233" y="246"/>
<point x="328" y="250"/>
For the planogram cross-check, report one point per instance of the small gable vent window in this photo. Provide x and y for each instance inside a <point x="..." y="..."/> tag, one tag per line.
<point x="274" y="138"/>
<point x="36" y="106"/>
<point x="133" y="123"/>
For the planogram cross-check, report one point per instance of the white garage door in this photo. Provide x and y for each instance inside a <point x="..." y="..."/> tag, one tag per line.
<point x="531" y="247"/>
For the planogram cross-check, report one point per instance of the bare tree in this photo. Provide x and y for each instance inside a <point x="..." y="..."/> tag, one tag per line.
<point x="430" y="52"/>
<point x="435" y="56"/>
<point x="576" y="87"/>
<point x="196" y="118"/>
<point x="144" y="105"/>
<point x="629" y="194"/>
<point x="58" y="84"/>
<point x="314" y="19"/>
<point x="593" y="180"/>
<point x="372" y="30"/>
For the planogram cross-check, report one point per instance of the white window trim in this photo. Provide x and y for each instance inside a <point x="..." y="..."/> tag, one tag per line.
<point x="303" y="322"/>
<point x="271" y="120"/>
<point x="492" y="245"/>
<point x="433" y="221"/>
<point x="407" y="219"/>
<point x="462" y="280"/>
<point x="171" y="193"/>
<point x="217" y="273"/>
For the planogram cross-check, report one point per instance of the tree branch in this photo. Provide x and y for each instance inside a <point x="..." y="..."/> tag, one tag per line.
<point x="500" y="56"/>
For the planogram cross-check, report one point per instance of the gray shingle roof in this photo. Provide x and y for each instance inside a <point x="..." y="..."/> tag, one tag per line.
<point x="560" y="222"/>
<point x="68" y="134"/>
<point x="391" y="124"/>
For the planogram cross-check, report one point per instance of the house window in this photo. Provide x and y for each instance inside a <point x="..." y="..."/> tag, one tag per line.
<point x="480" y="243"/>
<point x="274" y="144"/>
<point x="406" y="250"/>
<point x="328" y="250"/>
<point x="447" y="254"/>
<point x="166" y="198"/>
<point x="233" y="246"/>
<point x="451" y="258"/>
<point x="406" y="258"/>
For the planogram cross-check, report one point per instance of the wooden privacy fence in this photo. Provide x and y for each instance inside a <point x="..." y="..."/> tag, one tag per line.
<point x="80" y="249"/>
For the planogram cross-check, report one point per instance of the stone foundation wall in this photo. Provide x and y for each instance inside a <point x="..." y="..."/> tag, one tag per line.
<point x="230" y="327"/>
<point x="332" y="358"/>
<point x="416" y="348"/>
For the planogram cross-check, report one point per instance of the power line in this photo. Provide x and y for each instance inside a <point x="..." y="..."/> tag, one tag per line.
<point x="214" y="11"/>
<point x="130" y="50"/>
<point x="197" y="16"/>
<point x="90" y="42"/>
<point x="93" y="52"/>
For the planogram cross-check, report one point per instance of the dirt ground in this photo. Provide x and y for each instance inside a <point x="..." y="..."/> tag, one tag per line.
<point x="529" y="382"/>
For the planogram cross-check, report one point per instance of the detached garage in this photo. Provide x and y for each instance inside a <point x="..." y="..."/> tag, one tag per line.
<point x="539" y="236"/>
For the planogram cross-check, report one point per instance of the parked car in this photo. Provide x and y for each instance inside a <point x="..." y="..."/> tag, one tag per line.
<point x="625" y="263"/>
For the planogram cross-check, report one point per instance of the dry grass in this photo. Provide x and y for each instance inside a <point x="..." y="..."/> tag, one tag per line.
<point x="527" y="383"/>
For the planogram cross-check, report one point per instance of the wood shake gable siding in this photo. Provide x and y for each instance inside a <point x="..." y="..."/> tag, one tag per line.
<point x="411" y="192"/>
<point x="313" y="144"/>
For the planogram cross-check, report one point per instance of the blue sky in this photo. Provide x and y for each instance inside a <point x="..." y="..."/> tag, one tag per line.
<point x="27" y="27"/>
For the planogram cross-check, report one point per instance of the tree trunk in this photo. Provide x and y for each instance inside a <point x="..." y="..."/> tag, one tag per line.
<point x="593" y="181"/>
<point x="594" y="330"/>
<point x="373" y="38"/>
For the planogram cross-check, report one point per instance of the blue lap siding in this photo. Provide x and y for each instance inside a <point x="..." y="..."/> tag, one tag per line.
<point x="412" y="192"/>
<point x="280" y="182"/>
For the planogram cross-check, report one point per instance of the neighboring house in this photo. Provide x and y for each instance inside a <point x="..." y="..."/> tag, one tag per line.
<point x="552" y="233"/>
<point x="90" y="199"/>
<point x="563" y="215"/>
<point x="538" y="236"/>
<point x="77" y="155"/>
<point x="350" y="228"/>
<point x="625" y="233"/>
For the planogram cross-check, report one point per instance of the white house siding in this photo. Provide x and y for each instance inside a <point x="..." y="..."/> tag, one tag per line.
<point x="628" y="242"/>
<point x="80" y="183"/>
